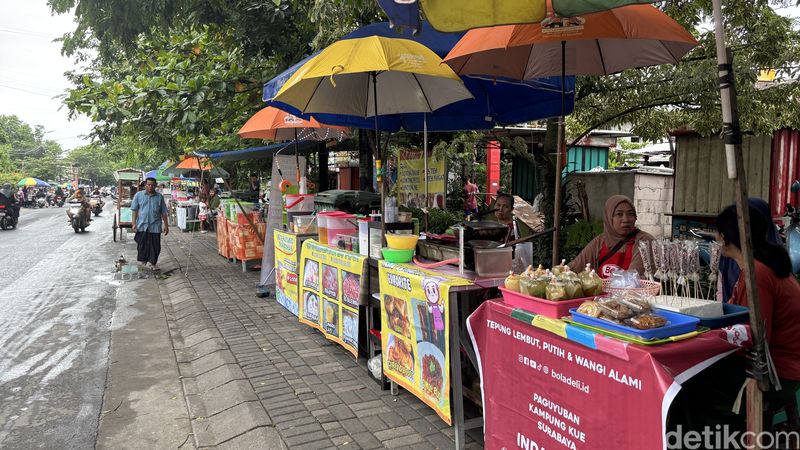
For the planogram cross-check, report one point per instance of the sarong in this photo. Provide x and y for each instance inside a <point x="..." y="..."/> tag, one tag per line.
<point x="148" y="246"/>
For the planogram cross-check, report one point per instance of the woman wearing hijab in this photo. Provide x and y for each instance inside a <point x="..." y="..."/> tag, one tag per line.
<point x="728" y="269"/>
<point x="618" y="246"/>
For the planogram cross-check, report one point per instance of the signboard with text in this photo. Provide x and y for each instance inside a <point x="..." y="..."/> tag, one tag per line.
<point x="415" y="332"/>
<point x="411" y="179"/>
<point x="330" y="292"/>
<point x="542" y="389"/>
<point x="286" y="270"/>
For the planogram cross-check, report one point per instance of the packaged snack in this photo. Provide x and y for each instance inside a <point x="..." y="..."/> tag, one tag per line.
<point x="591" y="283"/>
<point x="572" y="284"/>
<point x="555" y="290"/>
<point x="589" y="308"/>
<point x="646" y="321"/>
<point x="635" y="302"/>
<point x="559" y="268"/>
<point x="512" y="282"/>
<point x="614" y="308"/>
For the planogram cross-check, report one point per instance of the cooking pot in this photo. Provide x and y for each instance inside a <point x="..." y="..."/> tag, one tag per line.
<point x="485" y="230"/>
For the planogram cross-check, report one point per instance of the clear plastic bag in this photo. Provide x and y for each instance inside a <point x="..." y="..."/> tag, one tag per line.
<point x="375" y="366"/>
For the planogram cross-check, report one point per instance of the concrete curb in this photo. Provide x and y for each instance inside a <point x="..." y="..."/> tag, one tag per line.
<point x="224" y="408"/>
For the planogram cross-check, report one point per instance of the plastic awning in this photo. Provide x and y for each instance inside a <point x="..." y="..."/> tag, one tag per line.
<point x="266" y="151"/>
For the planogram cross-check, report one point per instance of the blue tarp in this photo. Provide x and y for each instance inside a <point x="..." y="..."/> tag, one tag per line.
<point x="496" y="102"/>
<point x="265" y="151"/>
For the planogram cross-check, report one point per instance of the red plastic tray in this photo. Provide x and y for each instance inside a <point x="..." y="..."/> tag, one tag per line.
<point x="542" y="306"/>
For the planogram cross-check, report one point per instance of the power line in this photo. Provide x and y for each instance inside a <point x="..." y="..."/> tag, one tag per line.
<point x="27" y="91"/>
<point x="22" y="32"/>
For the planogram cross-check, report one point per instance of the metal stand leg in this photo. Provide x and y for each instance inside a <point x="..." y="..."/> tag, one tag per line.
<point x="456" y="384"/>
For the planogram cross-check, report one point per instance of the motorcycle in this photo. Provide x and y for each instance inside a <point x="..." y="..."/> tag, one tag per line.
<point x="58" y="201"/>
<point x="97" y="204"/>
<point x="79" y="220"/>
<point x="41" y="202"/>
<point x="7" y="218"/>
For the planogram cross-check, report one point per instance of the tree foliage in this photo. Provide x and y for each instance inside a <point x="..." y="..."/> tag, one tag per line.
<point x="24" y="151"/>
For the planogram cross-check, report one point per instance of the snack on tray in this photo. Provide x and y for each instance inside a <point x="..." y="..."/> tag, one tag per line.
<point x="589" y="308"/>
<point x="635" y="302"/>
<point x="614" y="308"/>
<point x="559" y="268"/>
<point x="646" y="321"/>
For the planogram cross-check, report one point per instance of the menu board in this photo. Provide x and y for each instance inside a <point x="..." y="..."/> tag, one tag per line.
<point x="330" y="292"/>
<point x="286" y="262"/>
<point x="415" y="332"/>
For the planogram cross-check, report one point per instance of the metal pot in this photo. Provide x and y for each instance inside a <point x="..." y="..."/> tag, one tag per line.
<point x="485" y="230"/>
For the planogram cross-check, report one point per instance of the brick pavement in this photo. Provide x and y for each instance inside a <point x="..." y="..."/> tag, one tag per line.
<point x="254" y="377"/>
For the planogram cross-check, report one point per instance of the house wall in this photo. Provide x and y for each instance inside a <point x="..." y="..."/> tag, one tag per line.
<point x="652" y="195"/>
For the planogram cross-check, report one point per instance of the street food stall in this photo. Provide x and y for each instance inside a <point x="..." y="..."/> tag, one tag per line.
<point x="128" y="181"/>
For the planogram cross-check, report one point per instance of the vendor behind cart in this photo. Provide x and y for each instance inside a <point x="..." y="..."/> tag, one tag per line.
<point x="618" y="246"/>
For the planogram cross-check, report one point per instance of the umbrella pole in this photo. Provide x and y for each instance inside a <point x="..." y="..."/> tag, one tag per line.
<point x="425" y="159"/>
<point x="378" y="161"/>
<point x="560" y="139"/>
<point x="301" y="188"/>
<point x="759" y="378"/>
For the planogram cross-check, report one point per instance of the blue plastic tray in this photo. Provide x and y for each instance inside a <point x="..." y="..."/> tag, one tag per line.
<point x="731" y="315"/>
<point x="677" y="324"/>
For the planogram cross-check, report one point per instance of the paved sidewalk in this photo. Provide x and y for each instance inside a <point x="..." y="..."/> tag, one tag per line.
<point x="254" y="377"/>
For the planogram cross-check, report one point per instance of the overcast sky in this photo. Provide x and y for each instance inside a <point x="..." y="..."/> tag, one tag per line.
<point x="32" y="70"/>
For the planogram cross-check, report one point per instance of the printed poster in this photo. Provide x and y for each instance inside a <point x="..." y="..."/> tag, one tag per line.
<point x="286" y="271"/>
<point x="546" y="384"/>
<point x="411" y="179"/>
<point x="330" y="292"/>
<point x="415" y="332"/>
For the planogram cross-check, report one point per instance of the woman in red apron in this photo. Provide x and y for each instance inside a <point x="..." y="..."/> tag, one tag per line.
<point x="618" y="246"/>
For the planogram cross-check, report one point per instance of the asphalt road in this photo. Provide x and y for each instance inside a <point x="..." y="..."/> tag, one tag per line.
<point x="57" y="298"/>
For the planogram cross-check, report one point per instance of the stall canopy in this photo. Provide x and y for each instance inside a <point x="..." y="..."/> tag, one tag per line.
<point x="266" y="151"/>
<point x="496" y="101"/>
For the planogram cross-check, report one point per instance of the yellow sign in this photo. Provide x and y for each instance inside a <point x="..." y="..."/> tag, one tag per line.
<point x="330" y="292"/>
<point x="286" y="257"/>
<point x="411" y="180"/>
<point x="415" y="332"/>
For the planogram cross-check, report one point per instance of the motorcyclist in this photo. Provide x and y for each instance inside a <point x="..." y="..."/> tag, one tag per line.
<point x="9" y="200"/>
<point x="79" y="196"/>
<point x="42" y="194"/>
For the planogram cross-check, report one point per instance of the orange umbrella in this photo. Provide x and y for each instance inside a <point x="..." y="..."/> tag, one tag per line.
<point x="276" y="125"/>
<point x="595" y="44"/>
<point x="194" y="164"/>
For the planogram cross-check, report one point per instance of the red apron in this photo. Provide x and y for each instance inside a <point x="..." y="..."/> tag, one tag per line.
<point x="616" y="261"/>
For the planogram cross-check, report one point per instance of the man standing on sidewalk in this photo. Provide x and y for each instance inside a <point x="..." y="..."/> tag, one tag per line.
<point x="149" y="211"/>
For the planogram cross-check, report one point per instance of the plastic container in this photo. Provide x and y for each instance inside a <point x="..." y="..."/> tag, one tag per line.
<point x="493" y="262"/>
<point x="677" y="324"/>
<point x="731" y="315"/>
<point x="363" y="236"/>
<point x="401" y="241"/>
<point x="541" y="306"/>
<point x="690" y="306"/>
<point x="305" y="224"/>
<point x="394" y="255"/>
<point x="342" y="223"/>
<point x="298" y="204"/>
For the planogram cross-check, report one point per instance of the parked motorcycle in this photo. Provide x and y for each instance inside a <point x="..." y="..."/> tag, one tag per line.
<point x="7" y="218"/>
<point x="79" y="220"/>
<point x="97" y="204"/>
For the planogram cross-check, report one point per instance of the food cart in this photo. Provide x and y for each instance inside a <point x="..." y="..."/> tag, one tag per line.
<point x="128" y="181"/>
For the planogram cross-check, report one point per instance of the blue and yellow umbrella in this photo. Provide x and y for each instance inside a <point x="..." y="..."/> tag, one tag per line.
<point x="32" y="182"/>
